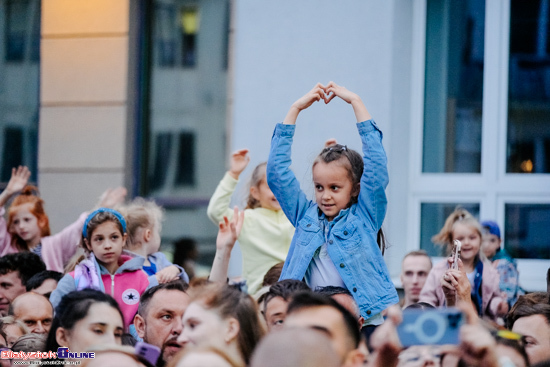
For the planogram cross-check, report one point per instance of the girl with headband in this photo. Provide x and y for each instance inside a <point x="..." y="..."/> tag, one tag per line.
<point x="107" y="267"/>
<point x="27" y="227"/>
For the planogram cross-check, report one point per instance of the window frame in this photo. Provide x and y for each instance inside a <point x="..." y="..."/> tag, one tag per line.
<point x="493" y="187"/>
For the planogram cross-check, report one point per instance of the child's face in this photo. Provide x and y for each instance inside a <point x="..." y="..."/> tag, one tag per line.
<point x="106" y="243"/>
<point x="333" y="188"/>
<point x="470" y="239"/>
<point x="491" y="243"/>
<point x="26" y="225"/>
<point x="265" y="196"/>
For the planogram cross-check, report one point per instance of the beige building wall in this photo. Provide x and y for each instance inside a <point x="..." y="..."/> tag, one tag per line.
<point x="83" y="103"/>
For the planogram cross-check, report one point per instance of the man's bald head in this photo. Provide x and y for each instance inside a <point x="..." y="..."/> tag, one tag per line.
<point x="34" y="310"/>
<point x="295" y="347"/>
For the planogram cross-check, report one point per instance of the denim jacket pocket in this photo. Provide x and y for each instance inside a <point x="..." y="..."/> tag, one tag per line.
<point x="348" y="235"/>
<point x="306" y="231"/>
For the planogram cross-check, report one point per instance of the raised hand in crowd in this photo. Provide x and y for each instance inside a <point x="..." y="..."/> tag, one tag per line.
<point x="18" y="180"/>
<point x="239" y="161"/>
<point x="228" y="233"/>
<point x="112" y="197"/>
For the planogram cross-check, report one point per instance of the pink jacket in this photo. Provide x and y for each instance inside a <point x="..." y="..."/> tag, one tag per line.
<point x="126" y="285"/>
<point x="432" y="292"/>
<point x="56" y="249"/>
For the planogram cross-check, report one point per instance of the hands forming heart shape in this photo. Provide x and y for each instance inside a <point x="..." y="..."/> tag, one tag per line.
<point x="326" y="93"/>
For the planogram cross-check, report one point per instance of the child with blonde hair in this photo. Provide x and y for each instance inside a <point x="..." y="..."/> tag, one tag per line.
<point x="266" y="233"/>
<point x="445" y="285"/>
<point x="144" y="220"/>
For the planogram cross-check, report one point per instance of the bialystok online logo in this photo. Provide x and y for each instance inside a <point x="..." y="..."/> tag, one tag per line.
<point x="62" y="353"/>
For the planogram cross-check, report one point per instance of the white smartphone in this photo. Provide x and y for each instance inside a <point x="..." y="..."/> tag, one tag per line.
<point x="455" y="254"/>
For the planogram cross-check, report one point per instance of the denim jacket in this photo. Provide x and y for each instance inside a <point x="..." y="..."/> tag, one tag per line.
<point x="352" y="234"/>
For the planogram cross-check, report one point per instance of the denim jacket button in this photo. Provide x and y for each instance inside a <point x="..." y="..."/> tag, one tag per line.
<point x="330" y="241"/>
<point x="342" y="265"/>
<point x="354" y="289"/>
<point x="345" y="233"/>
<point x="308" y="225"/>
<point x="368" y="312"/>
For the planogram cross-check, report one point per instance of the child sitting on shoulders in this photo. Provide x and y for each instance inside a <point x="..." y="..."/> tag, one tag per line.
<point x="337" y="235"/>
<point x="144" y="226"/>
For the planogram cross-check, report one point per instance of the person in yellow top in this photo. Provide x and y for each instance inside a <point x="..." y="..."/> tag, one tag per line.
<point x="266" y="233"/>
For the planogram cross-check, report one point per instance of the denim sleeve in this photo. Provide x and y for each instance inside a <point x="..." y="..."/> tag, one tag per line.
<point x="281" y="179"/>
<point x="372" y="200"/>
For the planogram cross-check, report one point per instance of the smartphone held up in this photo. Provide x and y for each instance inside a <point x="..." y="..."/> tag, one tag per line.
<point x="455" y="254"/>
<point x="430" y="327"/>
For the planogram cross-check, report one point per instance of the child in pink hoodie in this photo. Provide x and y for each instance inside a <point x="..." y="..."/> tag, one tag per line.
<point x="107" y="268"/>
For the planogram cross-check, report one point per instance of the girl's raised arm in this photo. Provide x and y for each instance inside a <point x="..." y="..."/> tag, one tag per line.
<point x="361" y="113"/>
<point x="18" y="180"/>
<point x="372" y="196"/>
<point x="218" y="206"/>
<point x="227" y="235"/>
<point x="280" y="178"/>
<point x="314" y="95"/>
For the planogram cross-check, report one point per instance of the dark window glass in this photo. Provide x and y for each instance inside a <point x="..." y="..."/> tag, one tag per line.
<point x="528" y="147"/>
<point x="12" y="154"/>
<point x="453" y="93"/>
<point x="176" y="33"/>
<point x="163" y="147"/>
<point x="185" y="174"/>
<point x="526" y="234"/>
<point x="19" y="85"/>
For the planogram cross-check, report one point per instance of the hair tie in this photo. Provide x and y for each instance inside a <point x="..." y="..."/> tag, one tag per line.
<point x="103" y="210"/>
<point x="337" y="148"/>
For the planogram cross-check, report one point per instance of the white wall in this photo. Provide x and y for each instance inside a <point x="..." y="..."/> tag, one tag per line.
<point x="281" y="49"/>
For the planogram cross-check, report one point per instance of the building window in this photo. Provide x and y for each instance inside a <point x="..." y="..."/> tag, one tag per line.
<point x="185" y="174"/>
<point x="528" y="148"/>
<point x="453" y="86"/>
<point x="526" y="235"/>
<point x="484" y="116"/>
<point x="19" y="85"/>
<point x="177" y="26"/>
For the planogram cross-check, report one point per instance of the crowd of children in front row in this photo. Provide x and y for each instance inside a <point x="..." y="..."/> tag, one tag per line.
<point x="334" y="240"/>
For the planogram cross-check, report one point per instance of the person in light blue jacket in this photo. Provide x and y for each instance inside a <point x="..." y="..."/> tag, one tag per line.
<point x="336" y="238"/>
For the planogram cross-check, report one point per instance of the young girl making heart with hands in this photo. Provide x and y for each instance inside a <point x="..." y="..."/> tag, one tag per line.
<point x="335" y="243"/>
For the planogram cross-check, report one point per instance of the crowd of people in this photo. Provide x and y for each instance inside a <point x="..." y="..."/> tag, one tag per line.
<point x="318" y="292"/>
